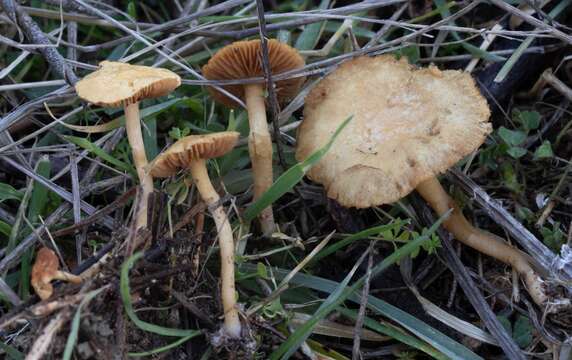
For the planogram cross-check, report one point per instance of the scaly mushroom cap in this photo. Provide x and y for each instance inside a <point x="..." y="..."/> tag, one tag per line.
<point x="117" y="84"/>
<point x="191" y="148"/>
<point x="408" y="125"/>
<point x="243" y="59"/>
<point x="43" y="271"/>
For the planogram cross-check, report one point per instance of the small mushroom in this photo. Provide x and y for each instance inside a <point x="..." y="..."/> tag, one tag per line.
<point x="46" y="269"/>
<point x="117" y="84"/>
<point x="190" y="153"/>
<point x="243" y="59"/>
<point x="408" y="126"/>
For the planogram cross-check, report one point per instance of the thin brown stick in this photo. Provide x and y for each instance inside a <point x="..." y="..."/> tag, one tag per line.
<point x="37" y="36"/>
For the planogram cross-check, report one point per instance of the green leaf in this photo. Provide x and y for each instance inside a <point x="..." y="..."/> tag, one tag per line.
<point x="412" y="53"/>
<point x="433" y="337"/>
<point x="7" y="192"/>
<point x="145" y="114"/>
<point x="12" y="353"/>
<point x="398" y="224"/>
<point x="132" y="10"/>
<point x="310" y="36"/>
<point x="335" y="298"/>
<point x="72" y="338"/>
<point x="512" y="137"/>
<point x="394" y="332"/>
<point x="163" y="348"/>
<point x="522" y="332"/>
<point x="341" y="292"/>
<point x="474" y="50"/>
<point x="126" y="297"/>
<point x="516" y="152"/>
<point x="96" y="150"/>
<point x="5" y="228"/>
<point x="290" y="178"/>
<point x="544" y="151"/>
<point x="529" y="119"/>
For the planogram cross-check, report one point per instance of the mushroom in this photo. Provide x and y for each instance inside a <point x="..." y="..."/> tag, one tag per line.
<point x="408" y="126"/>
<point x="46" y="269"/>
<point x="243" y="59"/>
<point x="117" y="84"/>
<point x="191" y="153"/>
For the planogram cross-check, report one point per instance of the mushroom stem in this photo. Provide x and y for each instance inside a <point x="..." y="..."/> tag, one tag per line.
<point x="260" y="148"/>
<point x="135" y="137"/>
<point x="65" y="276"/>
<point x="487" y="243"/>
<point x="226" y="244"/>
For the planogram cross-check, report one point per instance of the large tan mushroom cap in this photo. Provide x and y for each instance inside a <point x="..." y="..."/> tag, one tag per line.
<point x="117" y="84"/>
<point x="191" y="148"/>
<point x="243" y="59"/>
<point x="408" y="125"/>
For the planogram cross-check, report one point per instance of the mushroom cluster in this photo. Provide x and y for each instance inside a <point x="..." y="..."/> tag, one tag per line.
<point x="408" y="126"/>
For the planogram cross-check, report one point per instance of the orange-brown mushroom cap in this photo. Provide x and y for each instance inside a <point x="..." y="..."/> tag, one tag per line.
<point x="116" y="84"/>
<point x="192" y="148"/>
<point x="45" y="269"/>
<point x="408" y="125"/>
<point x="243" y="59"/>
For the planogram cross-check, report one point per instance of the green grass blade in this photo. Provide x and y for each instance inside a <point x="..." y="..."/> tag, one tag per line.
<point x="36" y="208"/>
<point x="144" y="114"/>
<point x="474" y="50"/>
<point x="342" y="292"/>
<point x="508" y="65"/>
<point x="358" y="236"/>
<point x="12" y="353"/>
<point x="7" y="192"/>
<point x="303" y="332"/>
<point x="96" y="150"/>
<point x="290" y="178"/>
<point x="312" y="32"/>
<point x="396" y="333"/>
<point x="163" y="348"/>
<point x="126" y="297"/>
<point x="72" y="338"/>
<point x="433" y="337"/>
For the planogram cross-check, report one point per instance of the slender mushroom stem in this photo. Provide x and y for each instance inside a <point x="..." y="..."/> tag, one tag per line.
<point x="260" y="148"/>
<point x="211" y="198"/>
<point x="487" y="243"/>
<point x="135" y="137"/>
<point x="65" y="276"/>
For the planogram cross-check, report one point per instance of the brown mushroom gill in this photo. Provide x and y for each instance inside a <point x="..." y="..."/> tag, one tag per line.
<point x="408" y="126"/>
<point x="242" y="60"/>
<point x="190" y="153"/>
<point x="117" y="84"/>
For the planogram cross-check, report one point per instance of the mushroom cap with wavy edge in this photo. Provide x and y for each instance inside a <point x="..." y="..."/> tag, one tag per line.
<point x="117" y="84"/>
<point x="243" y="59"/>
<point x="408" y="125"/>
<point x="43" y="272"/>
<point x="191" y="148"/>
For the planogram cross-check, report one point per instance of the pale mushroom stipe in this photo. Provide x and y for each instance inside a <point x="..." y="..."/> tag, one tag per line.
<point x="46" y="269"/>
<point x="241" y="60"/>
<point x="190" y="153"/>
<point x="409" y="125"/>
<point x="117" y="84"/>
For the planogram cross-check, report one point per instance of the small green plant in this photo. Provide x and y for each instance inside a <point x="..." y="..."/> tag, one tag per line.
<point x="552" y="236"/>
<point x="177" y="133"/>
